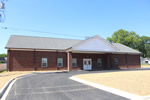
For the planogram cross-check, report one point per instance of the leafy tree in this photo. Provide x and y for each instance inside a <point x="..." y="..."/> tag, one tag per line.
<point x="145" y="46"/>
<point x="130" y="39"/>
<point x="3" y="55"/>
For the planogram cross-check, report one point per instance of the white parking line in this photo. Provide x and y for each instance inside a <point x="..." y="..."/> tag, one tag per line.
<point x="52" y="87"/>
<point x="49" y="92"/>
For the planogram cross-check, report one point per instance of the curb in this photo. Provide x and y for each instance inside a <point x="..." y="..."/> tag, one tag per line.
<point x="50" y="72"/>
<point x="9" y="84"/>
<point x="6" y="86"/>
<point x="111" y="90"/>
<point x="2" y="91"/>
<point x="146" y="97"/>
<point x="8" y="89"/>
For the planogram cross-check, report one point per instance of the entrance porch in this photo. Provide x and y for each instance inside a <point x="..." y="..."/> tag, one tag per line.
<point x="88" y="61"/>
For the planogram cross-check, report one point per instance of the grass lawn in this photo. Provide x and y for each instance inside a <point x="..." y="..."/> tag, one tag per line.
<point x="137" y="82"/>
<point x="145" y="65"/>
<point x="2" y="71"/>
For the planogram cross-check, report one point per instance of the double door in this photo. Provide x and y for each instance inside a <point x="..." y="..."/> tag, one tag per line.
<point x="87" y="64"/>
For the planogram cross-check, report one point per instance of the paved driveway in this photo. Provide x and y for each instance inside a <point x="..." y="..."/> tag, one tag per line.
<point x="56" y="86"/>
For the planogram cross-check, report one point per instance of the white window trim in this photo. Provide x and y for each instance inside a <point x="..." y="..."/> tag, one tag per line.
<point x="116" y="61"/>
<point x="58" y="64"/>
<point x="76" y="62"/>
<point x="46" y="63"/>
<point x="98" y="62"/>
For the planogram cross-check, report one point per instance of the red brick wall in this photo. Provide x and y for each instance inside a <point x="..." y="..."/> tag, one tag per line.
<point x="30" y="60"/>
<point x="125" y="61"/>
<point x="133" y="61"/>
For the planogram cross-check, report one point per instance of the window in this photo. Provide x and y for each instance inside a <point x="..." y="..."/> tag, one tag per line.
<point x="116" y="61"/>
<point x="89" y="62"/>
<point x="74" y="62"/>
<point x="85" y="62"/>
<point x="99" y="62"/>
<point x="44" y="62"/>
<point x="60" y="62"/>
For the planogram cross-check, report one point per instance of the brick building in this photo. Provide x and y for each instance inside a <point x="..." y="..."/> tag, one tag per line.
<point x="42" y="53"/>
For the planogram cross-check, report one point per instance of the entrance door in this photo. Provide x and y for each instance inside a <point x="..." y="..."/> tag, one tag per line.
<point x="87" y="64"/>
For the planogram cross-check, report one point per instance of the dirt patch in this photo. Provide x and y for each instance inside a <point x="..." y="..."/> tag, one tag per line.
<point x="137" y="82"/>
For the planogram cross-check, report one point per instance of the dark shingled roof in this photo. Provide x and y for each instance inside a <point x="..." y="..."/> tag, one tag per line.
<point x="40" y="42"/>
<point x="30" y="42"/>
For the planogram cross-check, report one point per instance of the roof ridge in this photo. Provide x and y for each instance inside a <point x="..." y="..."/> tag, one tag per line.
<point x="45" y="37"/>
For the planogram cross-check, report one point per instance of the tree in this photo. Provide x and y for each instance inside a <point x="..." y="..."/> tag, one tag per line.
<point x="145" y="46"/>
<point x="130" y="39"/>
<point x="3" y="55"/>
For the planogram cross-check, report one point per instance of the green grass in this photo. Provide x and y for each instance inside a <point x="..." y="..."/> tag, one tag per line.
<point x="2" y="71"/>
<point x="144" y="64"/>
<point x="147" y="65"/>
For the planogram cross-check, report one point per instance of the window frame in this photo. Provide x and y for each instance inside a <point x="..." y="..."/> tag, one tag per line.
<point x="45" y="63"/>
<point x="98" y="62"/>
<point x="58" y="62"/>
<point x="75" y="62"/>
<point x="116" y="61"/>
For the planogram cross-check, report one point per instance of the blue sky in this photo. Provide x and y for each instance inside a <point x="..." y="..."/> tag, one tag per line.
<point x="75" y="17"/>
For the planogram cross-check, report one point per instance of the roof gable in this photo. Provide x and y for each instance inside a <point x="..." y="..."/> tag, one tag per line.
<point x="95" y="43"/>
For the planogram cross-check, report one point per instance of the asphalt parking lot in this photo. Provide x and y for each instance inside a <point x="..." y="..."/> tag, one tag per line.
<point x="56" y="86"/>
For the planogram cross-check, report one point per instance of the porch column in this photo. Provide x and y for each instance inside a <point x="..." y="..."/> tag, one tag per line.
<point x="69" y="61"/>
<point x="108" y="61"/>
